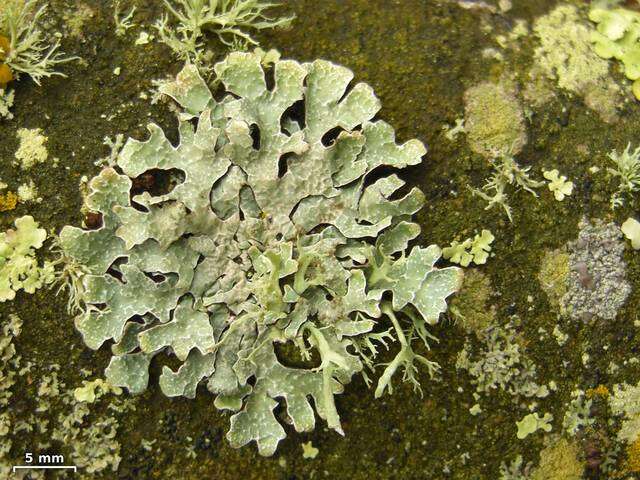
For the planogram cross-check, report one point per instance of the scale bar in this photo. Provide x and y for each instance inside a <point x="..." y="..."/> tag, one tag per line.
<point x="45" y="467"/>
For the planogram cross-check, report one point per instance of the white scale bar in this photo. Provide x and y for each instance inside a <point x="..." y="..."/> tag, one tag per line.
<point x="45" y="467"/>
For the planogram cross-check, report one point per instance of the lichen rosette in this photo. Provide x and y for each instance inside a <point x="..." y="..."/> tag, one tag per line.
<point x="275" y="233"/>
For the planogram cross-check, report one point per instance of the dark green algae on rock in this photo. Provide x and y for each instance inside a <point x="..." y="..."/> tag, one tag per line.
<point x="419" y="57"/>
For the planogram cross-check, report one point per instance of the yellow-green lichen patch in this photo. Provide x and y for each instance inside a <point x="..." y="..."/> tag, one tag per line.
<point x="8" y="201"/>
<point x="494" y="120"/>
<point x="565" y="56"/>
<point x="554" y="274"/>
<point x="559" y="461"/>
<point x="471" y="304"/>
<point x="32" y="149"/>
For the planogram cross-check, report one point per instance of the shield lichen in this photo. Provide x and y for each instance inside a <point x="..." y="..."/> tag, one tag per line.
<point x="273" y="233"/>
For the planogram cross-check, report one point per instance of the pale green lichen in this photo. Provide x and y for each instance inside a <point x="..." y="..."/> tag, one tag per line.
<point x="309" y="452"/>
<point x="625" y="403"/>
<point x="6" y="102"/>
<point x="28" y="192"/>
<point x="90" y="391"/>
<point x="501" y="363"/>
<point x="272" y="234"/>
<point x="578" y="413"/>
<point x="517" y="469"/>
<point x="19" y="269"/>
<point x="506" y="172"/>
<point x="29" y="51"/>
<point x="10" y="329"/>
<point x="228" y="19"/>
<point x="122" y="22"/>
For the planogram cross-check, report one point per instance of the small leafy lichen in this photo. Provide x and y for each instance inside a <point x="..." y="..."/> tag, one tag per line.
<point x="474" y="250"/>
<point x="273" y="233"/>
<point x="558" y="184"/>
<point x="532" y="423"/>
<point x="19" y="269"/>
<point x="501" y="363"/>
<point x="617" y="35"/>
<point x="506" y="172"/>
<point x="631" y="229"/>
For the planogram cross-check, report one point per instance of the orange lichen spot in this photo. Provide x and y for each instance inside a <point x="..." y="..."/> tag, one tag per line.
<point x="8" y="201"/>
<point x="600" y="390"/>
<point x="5" y="45"/>
<point x="6" y="75"/>
<point x="633" y="456"/>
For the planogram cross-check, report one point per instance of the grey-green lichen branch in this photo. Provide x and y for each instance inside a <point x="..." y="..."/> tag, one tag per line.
<point x="186" y="22"/>
<point x="25" y="49"/>
<point x="273" y="233"/>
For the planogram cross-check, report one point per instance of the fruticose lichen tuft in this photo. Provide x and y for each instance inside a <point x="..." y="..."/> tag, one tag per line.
<point x="271" y="233"/>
